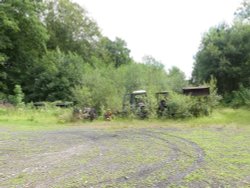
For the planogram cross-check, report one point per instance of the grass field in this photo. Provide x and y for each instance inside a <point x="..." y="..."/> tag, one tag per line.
<point x="30" y="119"/>
<point x="42" y="149"/>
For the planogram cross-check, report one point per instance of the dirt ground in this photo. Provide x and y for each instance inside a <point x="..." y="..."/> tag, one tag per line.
<point x="94" y="157"/>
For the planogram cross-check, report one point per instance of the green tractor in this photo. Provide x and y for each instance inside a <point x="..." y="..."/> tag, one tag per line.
<point x="137" y="103"/>
<point x="162" y="98"/>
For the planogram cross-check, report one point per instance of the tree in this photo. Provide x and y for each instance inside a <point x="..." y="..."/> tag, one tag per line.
<point x="176" y="79"/>
<point x="18" y="97"/>
<point x="56" y="75"/>
<point x="151" y="61"/>
<point x="225" y="54"/>
<point x="23" y="38"/>
<point x="8" y="24"/>
<point x="114" y="52"/>
<point x="70" y="28"/>
<point x="243" y="12"/>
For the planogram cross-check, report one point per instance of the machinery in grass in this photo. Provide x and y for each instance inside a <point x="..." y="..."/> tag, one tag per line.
<point x="108" y="115"/>
<point x="84" y="113"/>
<point x="199" y="107"/>
<point x="136" y="103"/>
<point x="162" y="102"/>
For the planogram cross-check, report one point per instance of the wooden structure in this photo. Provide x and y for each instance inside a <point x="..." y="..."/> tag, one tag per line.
<point x="196" y="91"/>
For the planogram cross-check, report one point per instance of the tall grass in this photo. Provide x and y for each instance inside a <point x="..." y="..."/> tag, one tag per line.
<point x="34" y="118"/>
<point x="224" y="116"/>
<point x="53" y="118"/>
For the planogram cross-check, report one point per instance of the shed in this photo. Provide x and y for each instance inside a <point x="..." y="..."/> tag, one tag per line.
<point x="196" y="91"/>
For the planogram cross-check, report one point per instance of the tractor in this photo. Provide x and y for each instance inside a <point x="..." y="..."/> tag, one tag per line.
<point x="162" y="98"/>
<point x="137" y="103"/>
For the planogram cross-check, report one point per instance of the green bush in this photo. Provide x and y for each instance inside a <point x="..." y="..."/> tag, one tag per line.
<point x="200" y="106"/>
<point x="213" y="99"/>
<point x="181" y="106"/>
<point x="57" y="74"/>
<point x="241" y="97"/>
<point x="18" y="97"/>
<point x="103" y="87"/>
<point x="2" y="96"/>
<point x="178" y="106"/>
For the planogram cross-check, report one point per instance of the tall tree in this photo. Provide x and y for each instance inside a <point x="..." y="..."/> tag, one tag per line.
<point x="114" y="52"/>
<point x="176" y="79"/>
<point x="56" y="74"/>
<point x="225" y="54"/>
<point x="22" y="42"/>
<point x="243" y="12"/>
<point x="70" y="28"/>
<point x="151" y="61"/>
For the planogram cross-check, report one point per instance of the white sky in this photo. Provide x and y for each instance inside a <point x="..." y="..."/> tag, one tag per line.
<point x="168" y="30"/>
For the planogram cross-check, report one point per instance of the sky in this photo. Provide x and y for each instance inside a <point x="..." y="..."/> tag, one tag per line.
<point x="168" y="30"/>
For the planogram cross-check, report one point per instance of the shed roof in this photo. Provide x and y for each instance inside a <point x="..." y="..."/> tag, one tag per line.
<point x="194" y="88"/>
<point x="139" y="92"/>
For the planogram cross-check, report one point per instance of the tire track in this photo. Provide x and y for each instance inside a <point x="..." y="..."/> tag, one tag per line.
<point x="146" y="171"/>
<point x="200" y="157"/>
<point x="174" y="155"/>
<point x="45" y="162"/>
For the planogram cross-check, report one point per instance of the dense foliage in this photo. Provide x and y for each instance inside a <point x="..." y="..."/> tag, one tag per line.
<point x="22" y="43"/>
<point x="105" y="86"/>
<point x="52" y="50"/>
<point x="182" y="106"/>
<point x="225" y="54"/>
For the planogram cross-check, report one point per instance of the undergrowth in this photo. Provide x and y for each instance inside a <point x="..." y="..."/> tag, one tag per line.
<point x="47" y="118"/>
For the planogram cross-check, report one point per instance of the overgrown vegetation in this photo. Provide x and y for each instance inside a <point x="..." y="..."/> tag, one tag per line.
<point x="65" y="57"/>
<point x="18" y="97"/>
<point x="30" y="117"/>
<point x="50" y="117"/>
<point x="225" y="53"/>
<point x="52" y="51"/>
<point x="241" y="97"/>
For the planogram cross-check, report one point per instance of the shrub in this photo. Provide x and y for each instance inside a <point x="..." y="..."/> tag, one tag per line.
<point x="200" y="106"/>
<point x="2" y="96"/>
<point x="213" y="99"/>
<point x="241" y="97"/>
<point x="178" y="106"/>
<point x="181" y="106"/>
<point x="18" y="97"/>
<point x="82" y="96"/>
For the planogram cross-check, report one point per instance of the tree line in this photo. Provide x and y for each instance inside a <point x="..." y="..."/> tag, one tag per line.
<point x="225" y="53"/>
<point x="55" y="51"/>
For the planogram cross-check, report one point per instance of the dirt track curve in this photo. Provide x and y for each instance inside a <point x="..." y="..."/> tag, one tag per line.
<point x="85" y="157"/>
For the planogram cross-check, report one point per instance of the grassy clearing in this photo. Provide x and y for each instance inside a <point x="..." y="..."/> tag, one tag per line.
<point x="33" y="119"/>
<point x="224" y="116"/>
<point x="227" y="155"/>
<point x="54" y="118"/>
<point x="223" y="136"/>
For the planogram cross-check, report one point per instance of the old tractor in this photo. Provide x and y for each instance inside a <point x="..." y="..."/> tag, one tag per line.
<point x="136" y="103"/>
<point x="162" y="98"/>
<point x="84" y="113"/>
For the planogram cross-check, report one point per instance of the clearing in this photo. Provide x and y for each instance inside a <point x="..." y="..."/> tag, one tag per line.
<point x="100" y="155"/>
